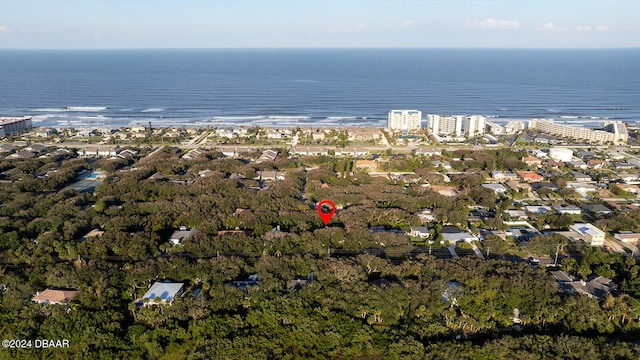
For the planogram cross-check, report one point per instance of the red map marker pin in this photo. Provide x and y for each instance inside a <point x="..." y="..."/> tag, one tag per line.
<point x="322" y="207"/>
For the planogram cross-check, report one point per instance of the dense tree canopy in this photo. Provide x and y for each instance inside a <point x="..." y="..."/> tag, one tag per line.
<point x="368" y="295"/>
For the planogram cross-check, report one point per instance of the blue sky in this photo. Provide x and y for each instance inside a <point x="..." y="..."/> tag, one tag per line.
<point x="71" y="24"/>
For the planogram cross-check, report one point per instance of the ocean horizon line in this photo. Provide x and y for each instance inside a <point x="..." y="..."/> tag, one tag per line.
<point x="320" y="48"/>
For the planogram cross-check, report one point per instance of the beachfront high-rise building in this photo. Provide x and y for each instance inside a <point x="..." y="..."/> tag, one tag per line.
<point x="474" y="125"/>
<point x="615" y="132"/>
<point x="10" y="126"/>
<point x="448" y="126"/>
<point x="404" y="120"/>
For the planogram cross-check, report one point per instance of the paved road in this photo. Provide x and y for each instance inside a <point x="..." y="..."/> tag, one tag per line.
<point x="312" y="149"/>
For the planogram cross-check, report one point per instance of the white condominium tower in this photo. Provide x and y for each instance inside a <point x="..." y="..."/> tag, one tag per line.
<point x="474" y="125"/>
<point x="444" y="125"/>
<point x="456" y="126"/>
<point x="404" y="120"/>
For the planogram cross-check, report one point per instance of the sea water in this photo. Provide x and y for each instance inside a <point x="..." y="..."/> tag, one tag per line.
<point x="316" y="87"/>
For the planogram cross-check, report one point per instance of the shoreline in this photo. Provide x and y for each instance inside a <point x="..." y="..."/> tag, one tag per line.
<point x="292" y="121"/>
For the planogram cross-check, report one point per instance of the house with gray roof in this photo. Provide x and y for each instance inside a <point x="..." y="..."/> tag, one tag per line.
<point x="179" y="236"/>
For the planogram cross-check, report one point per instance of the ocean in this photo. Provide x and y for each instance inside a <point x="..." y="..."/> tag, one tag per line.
<point x="315" y="87"/>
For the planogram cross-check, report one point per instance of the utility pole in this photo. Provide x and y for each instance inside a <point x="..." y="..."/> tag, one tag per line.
<point x="555" y="263"/>
<point x="487" y="251"/>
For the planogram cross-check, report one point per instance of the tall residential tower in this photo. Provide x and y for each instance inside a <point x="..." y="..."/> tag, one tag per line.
<point x="404" y="120"/>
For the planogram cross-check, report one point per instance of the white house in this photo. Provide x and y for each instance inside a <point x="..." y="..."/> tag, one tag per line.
<point x="538" y="210"/>
<point x="569" y="209"/>
<point x="589" y="233"/>
<point x="421" y="232"/>
<point x="497" y="188"/>
<point x="425" y="215"/>
<point x="627" y="237"/>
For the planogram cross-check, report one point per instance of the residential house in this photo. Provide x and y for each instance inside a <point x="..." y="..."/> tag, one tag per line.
<point x="429" y="152"/>
<point x="597" y="209"/>
<point x="501" y="177"/>
<point x="178" y="236"/>
<point x="480" y="214"/>
<point x="634" y="162"/>
<point x="579" y="164"/>
<point x="45" y="132"/>
<point x="95" y="233"/>
<point x="161" y="293"/>
<point x="629" y="178"/>
<point x="539" y="185"/>
<point x="7" y="148"/>
<point x="54" y="296"/>
<point x="597" y="164"/>
<point x="454" y="234"/>
<point x="22" y="154"/>
<point x="64" y="153"/>
<point x="580" y="177"/>
<point x="363" y="134"/>
<point x="426" y="215"/>
<point x="537" y="210"/>
<point x="192" y="154"/>
<point x="596" y="288"/>
<point x="268" y="155"/>
<point x="582" y="188"/>
<point x="442" y="163"/>
<point x="127" y="154"/>
<point x="318" y="136"/>
<point x="622" y="165"/>
<point x="497" y="188"/>
<point x="627" y="237"/>
<point x="298" y="284"/>
<point x="521" y="230"/>
<point x="106" y="152"/>
<point x="518" y="186"/>
<point x="532" y="161"/>
<point x="274" y="134"/>
<point x="587" y="155"/>
<point x="517" y="214"/>
<point x="569" y="210"/>
<point x="529" y="176"/>
<point x="271" y="175"/>
<point x="589" y="233"/>
<point x="36" y="148"/>
<point x="421" y="232"/>
<point x="367" y="164"/>
<point x="555" y="164"/>
<point x="243" y="285"/>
